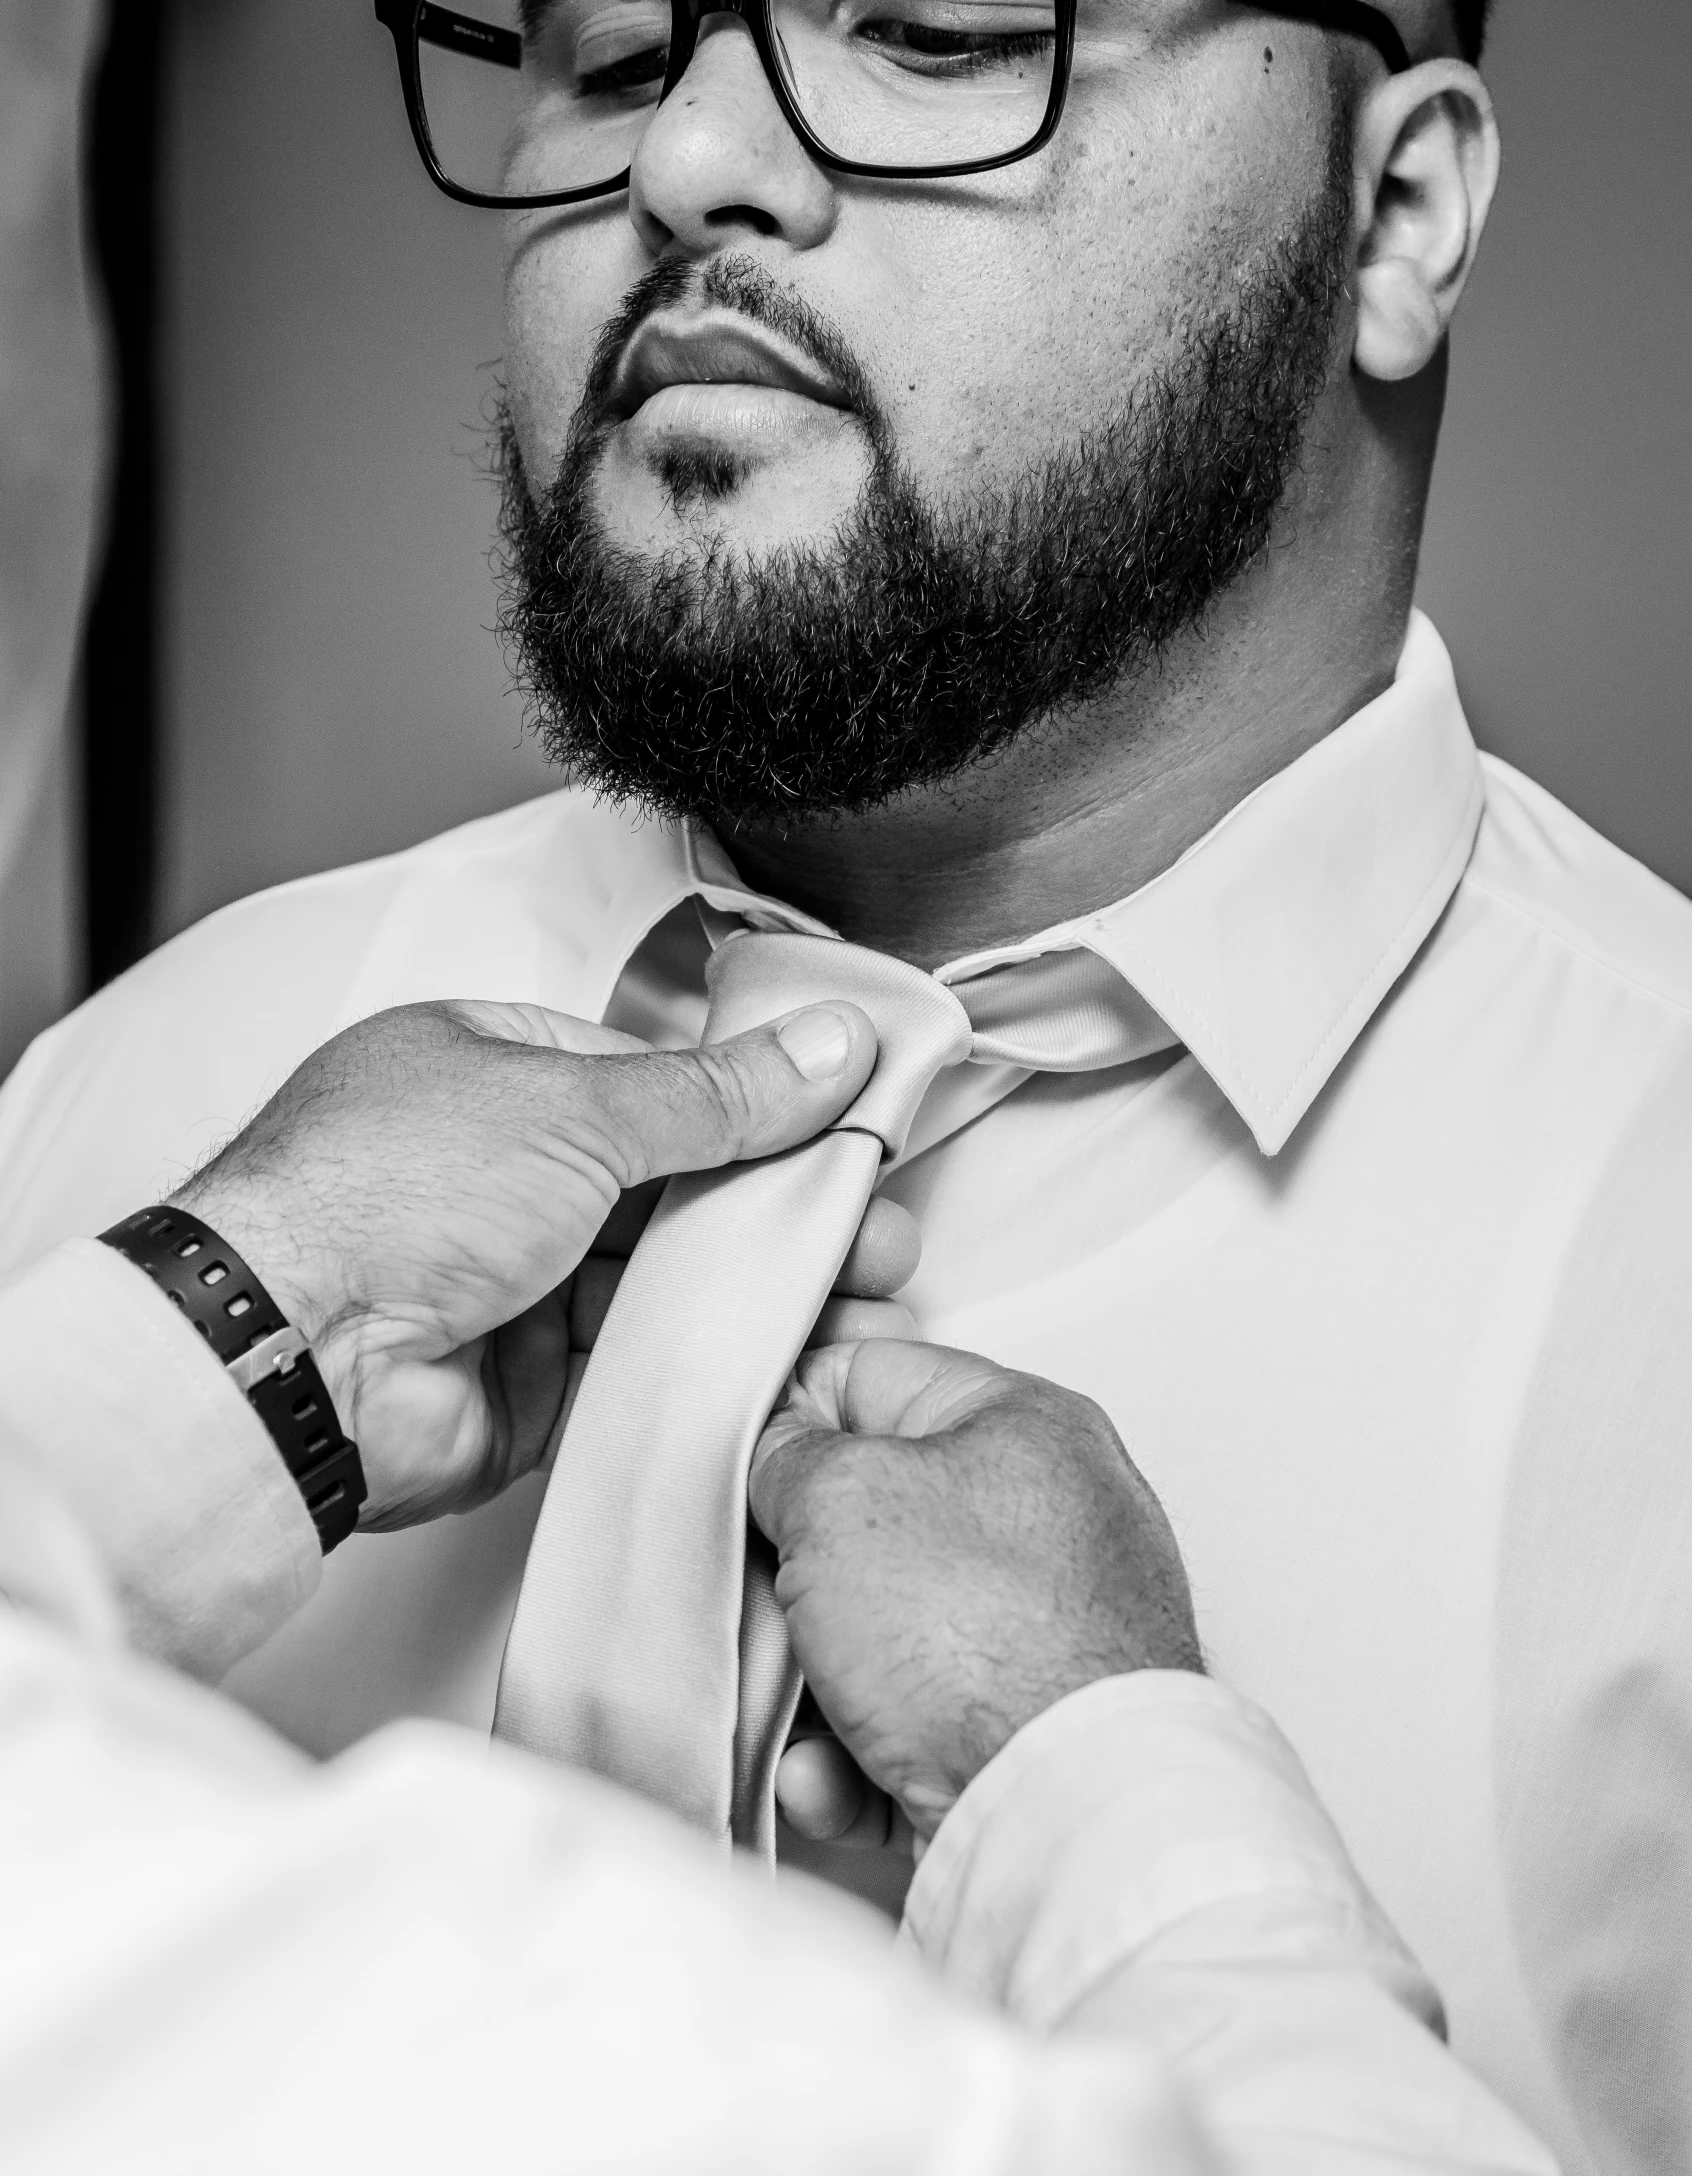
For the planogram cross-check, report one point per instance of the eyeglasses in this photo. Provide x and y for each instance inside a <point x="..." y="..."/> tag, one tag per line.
<point x="541" y="102"/>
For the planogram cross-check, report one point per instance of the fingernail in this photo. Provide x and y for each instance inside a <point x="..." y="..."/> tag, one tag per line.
<point x="819" y="1042"/>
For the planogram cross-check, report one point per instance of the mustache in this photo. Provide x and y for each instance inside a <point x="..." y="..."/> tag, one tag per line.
<point x="736" y="283"/>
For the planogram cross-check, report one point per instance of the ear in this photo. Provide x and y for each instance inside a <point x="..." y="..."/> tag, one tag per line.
<point x="1427" y="166"/>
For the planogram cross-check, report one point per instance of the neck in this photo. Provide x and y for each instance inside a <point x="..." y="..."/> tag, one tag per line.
<point x="1084" y="809"/>
<point x="1080" y="812"/>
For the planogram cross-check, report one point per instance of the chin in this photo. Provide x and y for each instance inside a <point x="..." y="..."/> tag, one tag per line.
<point x="696" y="497"/>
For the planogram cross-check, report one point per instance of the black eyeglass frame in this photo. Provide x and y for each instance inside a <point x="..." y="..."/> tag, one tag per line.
<point x="404" y="20"/>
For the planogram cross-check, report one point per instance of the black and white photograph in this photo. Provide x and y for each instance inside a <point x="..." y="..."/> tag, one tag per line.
<point x="845" y="1088"/>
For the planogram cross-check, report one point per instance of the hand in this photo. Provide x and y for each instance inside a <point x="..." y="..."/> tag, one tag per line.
<point x="960" y="1547"/>
<point x="420" y="1196"/>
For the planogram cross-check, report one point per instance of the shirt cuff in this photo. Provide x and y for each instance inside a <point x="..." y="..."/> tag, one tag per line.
<point x="1134" y="1807"/>
<point x="118" y="1404"/>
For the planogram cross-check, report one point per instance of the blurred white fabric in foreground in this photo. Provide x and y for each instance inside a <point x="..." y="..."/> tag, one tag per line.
<point x="50" y="460"/>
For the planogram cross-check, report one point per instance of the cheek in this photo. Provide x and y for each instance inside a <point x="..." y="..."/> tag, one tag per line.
<point x="1016" y="322"/>
<point x="562" y="283"/>
<point x="1023" y="310"/>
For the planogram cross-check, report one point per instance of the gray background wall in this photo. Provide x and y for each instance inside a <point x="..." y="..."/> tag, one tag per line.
<point x="334" y="326"/>
<point x="1559" y="549"/>
<point x="334" y="323"/>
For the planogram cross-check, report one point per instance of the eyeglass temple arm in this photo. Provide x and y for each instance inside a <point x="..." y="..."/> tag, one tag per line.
<point x="465" y="34"/>
<point x="1351" y="17"/>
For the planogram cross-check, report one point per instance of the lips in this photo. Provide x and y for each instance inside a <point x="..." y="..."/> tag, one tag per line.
<point x="714" y="347"/>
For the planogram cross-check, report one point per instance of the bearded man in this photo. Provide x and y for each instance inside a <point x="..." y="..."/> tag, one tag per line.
<point x="965" y="463"/>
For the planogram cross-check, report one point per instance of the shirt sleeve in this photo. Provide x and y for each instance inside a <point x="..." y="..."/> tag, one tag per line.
<point x="1147" y="1861"/>
<point x="433" y="1955"/>
<point x="167" y="1473"/>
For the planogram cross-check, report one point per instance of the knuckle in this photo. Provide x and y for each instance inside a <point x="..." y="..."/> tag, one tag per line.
<point x="767" y="1486"/>
<point x="730" y="1091"/>
<point x="797" y="1477"/>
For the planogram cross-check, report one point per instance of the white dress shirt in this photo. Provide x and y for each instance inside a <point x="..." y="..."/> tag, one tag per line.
<point x="1382" y="1276"/>
<point x="431" y="1954"/>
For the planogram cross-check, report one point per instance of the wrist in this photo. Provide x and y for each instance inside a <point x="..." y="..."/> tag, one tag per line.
<point x="992" y="1724"/>
<point x="307" y="1281"/>
<point x="302" y="1278"/>
<point x="266" y="1354"/>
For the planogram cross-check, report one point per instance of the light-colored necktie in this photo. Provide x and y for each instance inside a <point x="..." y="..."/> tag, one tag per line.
<point x="647" y="1644"/>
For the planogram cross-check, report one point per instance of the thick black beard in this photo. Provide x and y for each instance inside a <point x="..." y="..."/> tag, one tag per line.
<point x="917" y="639"/>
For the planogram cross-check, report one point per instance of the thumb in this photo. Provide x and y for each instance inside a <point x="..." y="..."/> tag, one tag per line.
<point x="884" y="1387"/>
<point x="891" y="1387"/>
<point x="754" y="1095"/>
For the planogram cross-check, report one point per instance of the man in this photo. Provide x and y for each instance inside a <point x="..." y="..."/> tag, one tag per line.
<point x="421" y="1957"/>
<point x="1011" y="571"/>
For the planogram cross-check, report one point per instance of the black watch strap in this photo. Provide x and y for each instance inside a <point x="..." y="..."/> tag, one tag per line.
<point x="266" y="1357"/>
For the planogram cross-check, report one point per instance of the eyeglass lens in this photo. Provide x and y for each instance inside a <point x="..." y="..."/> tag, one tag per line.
<point x="529" y="97"/>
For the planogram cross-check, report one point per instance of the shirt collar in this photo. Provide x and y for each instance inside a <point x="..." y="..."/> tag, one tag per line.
<point x="1269" y="945"/>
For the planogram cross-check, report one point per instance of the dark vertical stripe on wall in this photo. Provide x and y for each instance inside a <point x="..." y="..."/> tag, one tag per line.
<point x="120" y="661"/>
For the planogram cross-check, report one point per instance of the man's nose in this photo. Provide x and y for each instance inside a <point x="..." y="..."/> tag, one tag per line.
<point x="718" y="157"/>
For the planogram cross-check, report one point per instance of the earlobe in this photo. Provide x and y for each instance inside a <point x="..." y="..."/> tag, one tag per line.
<point x="1427" y="165"/>
<point x="1399" y="324"/>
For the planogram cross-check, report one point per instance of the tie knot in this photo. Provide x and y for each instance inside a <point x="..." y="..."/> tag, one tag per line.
<point x="1060" y="1012"/>
<point x="757" y="975"/>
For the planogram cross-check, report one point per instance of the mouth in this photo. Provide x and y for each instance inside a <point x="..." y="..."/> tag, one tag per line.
<point x="715" y="347"/>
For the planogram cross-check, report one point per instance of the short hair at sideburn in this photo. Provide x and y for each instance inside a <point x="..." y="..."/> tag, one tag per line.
<point x="1471" y="25"/>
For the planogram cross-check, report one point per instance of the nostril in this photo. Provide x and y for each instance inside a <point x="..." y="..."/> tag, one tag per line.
<point x="744" y="215"/>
